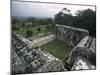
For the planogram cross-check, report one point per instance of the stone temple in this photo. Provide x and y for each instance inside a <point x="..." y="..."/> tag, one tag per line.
<point x="27" y="58"/>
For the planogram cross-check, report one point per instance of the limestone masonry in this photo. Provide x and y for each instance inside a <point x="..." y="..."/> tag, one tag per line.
<point x="70" y="35"/>
<point x="27" y="58"/>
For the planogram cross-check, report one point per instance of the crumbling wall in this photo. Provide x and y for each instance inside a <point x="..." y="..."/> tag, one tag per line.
<point x="27" y="59"/>
<point x="84" y="51"/>
<point x="43" y="40"/>
<point x="82" y="64"/>
<point x="70" y="35"/>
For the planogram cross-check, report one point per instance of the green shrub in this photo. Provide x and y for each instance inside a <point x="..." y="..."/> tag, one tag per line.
<point x="28" y="33"/>
<point x="39" y="29"/>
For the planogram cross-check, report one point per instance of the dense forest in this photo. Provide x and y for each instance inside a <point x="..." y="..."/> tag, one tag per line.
<point x="85" y="19"/>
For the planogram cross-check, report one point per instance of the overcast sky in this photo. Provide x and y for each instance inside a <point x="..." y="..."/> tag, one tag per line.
<point x="31" y="9"/>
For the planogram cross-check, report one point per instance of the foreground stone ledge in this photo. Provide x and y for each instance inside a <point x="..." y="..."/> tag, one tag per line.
<point x="83" y="53"/>
<point x="27" y="59"/>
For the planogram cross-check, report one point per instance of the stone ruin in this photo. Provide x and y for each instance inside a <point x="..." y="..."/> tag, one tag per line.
<point x="83" y="54"/>
<point x="26" y="58"/>
<point x="70" y="35"/>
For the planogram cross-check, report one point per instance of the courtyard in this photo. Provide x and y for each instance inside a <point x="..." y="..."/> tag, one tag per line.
<point x="57" y="48"/>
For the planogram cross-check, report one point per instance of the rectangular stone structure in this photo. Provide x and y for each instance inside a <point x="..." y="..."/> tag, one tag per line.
<point x="70" y="35"/>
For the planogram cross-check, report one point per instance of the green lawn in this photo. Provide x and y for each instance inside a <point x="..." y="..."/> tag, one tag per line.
<point x="35" y="32"/>
<point x="57" y="48"/>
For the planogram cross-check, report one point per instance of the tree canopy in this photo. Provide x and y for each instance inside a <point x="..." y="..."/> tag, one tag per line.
<point x="64" y="17"/>
<point x="85" y="19"/>
<point x="40" y="21"/>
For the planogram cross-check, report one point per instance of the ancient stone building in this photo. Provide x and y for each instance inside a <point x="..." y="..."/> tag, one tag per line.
<point x="84" y="47"/>
<point x="70" y="35"/>
<point x="27" y="59"/>
<point x="83" y="55"/>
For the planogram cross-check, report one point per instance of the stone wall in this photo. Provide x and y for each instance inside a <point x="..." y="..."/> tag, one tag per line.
<point x="43" y="40"/>
<point x="82" y="64"/>
<point x="84" y="51"/>
<point x="27" y="59"/>
<point x="70" y="35"/>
